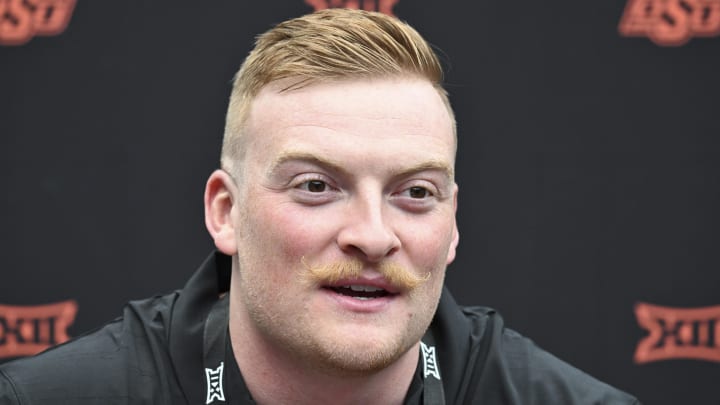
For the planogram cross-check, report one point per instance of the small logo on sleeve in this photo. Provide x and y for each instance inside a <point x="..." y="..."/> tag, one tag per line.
<point x="27" y="330"/>
<point x="678" y="333"/>
<point x="215" y="384"/>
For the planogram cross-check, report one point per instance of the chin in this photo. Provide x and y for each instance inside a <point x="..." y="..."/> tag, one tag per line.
<point x="360" y="355"/>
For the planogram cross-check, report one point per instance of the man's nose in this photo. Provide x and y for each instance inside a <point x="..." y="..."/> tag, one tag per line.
<point x="366" y="232"/>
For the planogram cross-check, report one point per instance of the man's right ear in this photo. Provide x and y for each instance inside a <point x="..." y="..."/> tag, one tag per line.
<point x="219" y="201"/>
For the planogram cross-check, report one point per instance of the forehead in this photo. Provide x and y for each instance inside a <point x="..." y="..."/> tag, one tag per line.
<point x="351" y="118"/>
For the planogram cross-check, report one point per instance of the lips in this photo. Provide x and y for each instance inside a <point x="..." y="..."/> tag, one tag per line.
<point x="363" y="289"/>
<point x="361" y="292"/>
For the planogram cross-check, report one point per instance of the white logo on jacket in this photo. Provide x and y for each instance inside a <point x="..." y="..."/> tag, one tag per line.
<point x="430" y="366"/>
<point x="214" y="384"/>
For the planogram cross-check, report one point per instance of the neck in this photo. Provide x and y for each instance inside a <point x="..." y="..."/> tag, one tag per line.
<point x="273" y="377"/>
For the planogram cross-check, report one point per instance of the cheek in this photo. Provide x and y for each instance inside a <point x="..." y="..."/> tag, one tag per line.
<point x="427" y="243"/>
<point x="293" y="231"/>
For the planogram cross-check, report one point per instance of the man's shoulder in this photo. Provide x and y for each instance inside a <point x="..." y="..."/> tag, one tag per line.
<point x="120" y="362"/>
<point x="510" y="368"/>
<point x="551" y="379"/>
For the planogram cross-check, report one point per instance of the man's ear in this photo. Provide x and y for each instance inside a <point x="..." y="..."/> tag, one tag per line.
<point x="220" y="192"/>
<point x="456" y="233"/>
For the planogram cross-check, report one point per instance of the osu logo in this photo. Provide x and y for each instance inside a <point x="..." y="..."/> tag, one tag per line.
<point x="20" y="20"/>
<point x="671" y="22"/>
<point x="678" y="333"/>
<point x="26" y="330"/>
<point x="383" y="6"/>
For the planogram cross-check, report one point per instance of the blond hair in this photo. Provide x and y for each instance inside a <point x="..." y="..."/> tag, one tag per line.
<point x="331" y="44"/>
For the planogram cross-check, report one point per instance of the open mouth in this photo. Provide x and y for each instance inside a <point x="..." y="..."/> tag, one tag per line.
<point x="360" y="292"/>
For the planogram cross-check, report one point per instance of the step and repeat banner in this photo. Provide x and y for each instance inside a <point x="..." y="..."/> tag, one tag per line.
<point x="588" y="165"/>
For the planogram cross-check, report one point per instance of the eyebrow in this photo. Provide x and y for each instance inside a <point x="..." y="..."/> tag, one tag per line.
<point x="297" y="156"/>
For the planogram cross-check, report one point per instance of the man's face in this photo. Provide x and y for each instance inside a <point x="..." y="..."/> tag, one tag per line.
<point x="348" y="170"/>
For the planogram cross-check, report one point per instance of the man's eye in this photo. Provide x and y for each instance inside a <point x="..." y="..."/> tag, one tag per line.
<point x="314" y="186"/>
<point x="418" y="192"/>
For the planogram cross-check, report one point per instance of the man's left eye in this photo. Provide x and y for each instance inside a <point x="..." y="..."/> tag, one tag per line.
<point x="419" y="192"/>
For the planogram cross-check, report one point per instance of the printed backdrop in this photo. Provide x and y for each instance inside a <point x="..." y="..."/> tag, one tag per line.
<point x="588" y="167"/>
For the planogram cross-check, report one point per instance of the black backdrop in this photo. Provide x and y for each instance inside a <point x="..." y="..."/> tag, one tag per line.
<point x="587" y="166"/>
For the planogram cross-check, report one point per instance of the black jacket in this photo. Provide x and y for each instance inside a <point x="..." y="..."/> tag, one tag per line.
<point x="153" y="354"/>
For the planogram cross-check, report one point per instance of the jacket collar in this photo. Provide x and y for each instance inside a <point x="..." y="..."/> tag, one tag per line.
<point x="456" y="340"/>
<point x="185" y="334"/>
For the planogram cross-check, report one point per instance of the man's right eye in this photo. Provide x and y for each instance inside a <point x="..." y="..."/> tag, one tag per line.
<point x="313" y="186"/>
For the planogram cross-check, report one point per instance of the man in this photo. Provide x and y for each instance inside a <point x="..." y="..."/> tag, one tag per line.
<point x="334" y="219"/>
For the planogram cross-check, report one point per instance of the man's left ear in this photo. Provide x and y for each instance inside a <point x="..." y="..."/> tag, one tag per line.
<point x="456" y="233"/>
<point x="219" y="200"/>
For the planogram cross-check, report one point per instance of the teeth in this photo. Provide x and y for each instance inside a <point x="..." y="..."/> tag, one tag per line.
<point x="365" y="288"/>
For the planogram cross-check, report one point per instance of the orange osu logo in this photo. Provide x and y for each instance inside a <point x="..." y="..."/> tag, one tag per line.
<point x="27" y="330"/>
<point x="20" y="20"/>
<point x="383" y="6"/>
<point x="678" y="333"/>
<point x="671" y="22"/>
